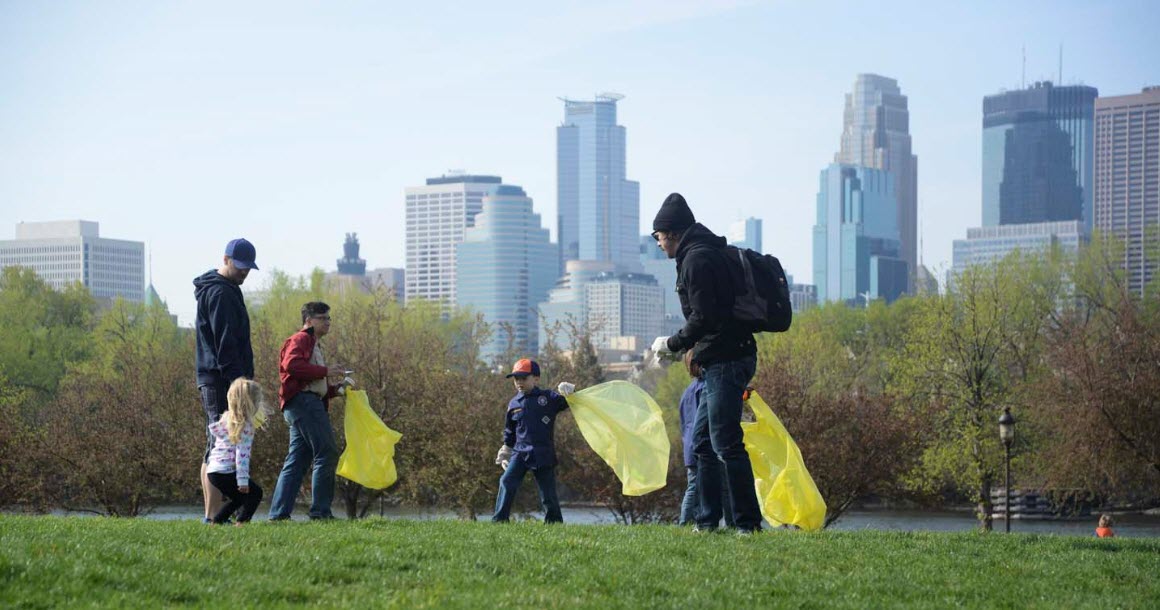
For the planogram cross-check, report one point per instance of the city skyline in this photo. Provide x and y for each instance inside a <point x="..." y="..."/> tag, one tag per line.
<point x="172" y="126"/>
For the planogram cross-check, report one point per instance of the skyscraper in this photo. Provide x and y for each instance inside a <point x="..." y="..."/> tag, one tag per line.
<point x="350" y="263"/>
<point x="856" y="236"/>
<point x="505" y="266"/>
<point x="1127" y="179"/>
<point x="69" y="251"/>
<point x="438" y="215"/>
<point x="598" y="207"/>
<point x="1037" y="155"/>
<point x="352" y="273"/>
<point x="1037" y="174"/>
<point x="745" y="234"/>
<point x="876" y="134"/>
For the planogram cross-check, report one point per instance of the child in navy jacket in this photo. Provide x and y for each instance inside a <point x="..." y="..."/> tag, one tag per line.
<point x="528" y="441"/>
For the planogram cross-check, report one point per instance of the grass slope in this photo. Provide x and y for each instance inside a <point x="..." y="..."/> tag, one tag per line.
<point x="48" y="562"/>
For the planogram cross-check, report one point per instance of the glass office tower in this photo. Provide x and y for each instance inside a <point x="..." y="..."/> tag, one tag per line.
<point x="504" y="268"/>
<point x="598" y="208"/>
<point x="857" y="245"/>
<point x="876" y="134"/>
<point x="1037" y="155"/>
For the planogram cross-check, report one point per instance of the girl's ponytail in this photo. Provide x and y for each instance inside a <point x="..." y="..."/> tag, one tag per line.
<point x="247" y="403"/>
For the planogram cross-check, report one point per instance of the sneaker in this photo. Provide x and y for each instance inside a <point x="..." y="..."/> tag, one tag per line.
<point x="697" y="529"/>
<point x="743" y="532"/>
<point x="322" y="517"/>
<point x="276" y="519"/>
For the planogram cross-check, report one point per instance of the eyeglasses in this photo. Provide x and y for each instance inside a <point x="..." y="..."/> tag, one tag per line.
<point x="656" y="235"/>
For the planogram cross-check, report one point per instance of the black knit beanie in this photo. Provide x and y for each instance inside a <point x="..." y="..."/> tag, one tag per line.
<point x="674" y="215"/>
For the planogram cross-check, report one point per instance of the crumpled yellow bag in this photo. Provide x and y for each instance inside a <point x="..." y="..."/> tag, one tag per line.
<point x="785" y="489"/>
<point x="369" y="457"/>
<point x="624" y="426"/>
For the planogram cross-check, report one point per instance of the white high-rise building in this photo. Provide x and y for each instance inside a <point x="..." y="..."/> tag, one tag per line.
<point x="1127" y="179"/>
<point x="64" y="252"/>
<point x="622" y="312"/>
<point x="438" y="214"/>
<point x="989" y="245"/>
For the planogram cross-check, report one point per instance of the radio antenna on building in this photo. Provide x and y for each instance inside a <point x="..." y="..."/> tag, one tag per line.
<point x="1023" y="78"/>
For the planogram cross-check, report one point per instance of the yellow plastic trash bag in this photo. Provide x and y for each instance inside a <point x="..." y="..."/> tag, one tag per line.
<point x="785" y="489"/>
<point x="369" y="458"/>
<point x="624" y="426"/>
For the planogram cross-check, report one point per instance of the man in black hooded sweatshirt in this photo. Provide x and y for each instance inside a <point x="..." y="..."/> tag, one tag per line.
<point x="727" y="355"/>
<point x="224" y="352"/>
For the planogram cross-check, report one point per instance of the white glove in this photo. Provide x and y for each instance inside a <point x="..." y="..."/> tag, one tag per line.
<point x="504" y="456"/>
<point x="661" y="346"/>
<point x="565" y="388"/>
<point x="346" y="382"/>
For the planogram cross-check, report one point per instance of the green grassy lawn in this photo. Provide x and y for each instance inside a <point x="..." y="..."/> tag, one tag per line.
<point x="48" y="562"/>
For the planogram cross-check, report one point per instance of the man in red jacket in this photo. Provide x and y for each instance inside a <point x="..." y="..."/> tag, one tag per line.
<point x="305" y="395"/>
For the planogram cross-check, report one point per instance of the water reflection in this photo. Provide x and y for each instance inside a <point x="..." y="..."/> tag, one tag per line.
<point x="1127" y="526"/>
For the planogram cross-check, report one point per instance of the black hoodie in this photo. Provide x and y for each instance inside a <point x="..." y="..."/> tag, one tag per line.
<point x="223" y="331"/>
<point x="705" y="286"/>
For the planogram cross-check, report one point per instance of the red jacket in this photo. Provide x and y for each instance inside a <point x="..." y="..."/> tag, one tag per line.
<point x="295" y="371"/>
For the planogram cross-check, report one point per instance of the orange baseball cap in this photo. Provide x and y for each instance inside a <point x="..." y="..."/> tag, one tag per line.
<point x="525" y="367"/>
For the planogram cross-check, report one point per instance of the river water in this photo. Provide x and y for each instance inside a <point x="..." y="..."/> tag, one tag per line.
<point x="1126" y="526"/>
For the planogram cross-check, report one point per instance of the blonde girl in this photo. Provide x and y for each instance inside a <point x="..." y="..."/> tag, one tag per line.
<point x="229" y="460"/>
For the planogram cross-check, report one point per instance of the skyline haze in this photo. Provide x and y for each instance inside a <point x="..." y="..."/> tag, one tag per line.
<point x="304" y="123"/>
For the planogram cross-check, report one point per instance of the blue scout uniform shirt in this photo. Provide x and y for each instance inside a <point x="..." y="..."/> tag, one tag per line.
<point x="689" y="402"/>
<point x="530" y="424"/>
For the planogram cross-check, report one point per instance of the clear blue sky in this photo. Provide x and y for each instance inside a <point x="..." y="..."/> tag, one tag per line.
<point x="186" y="124"/>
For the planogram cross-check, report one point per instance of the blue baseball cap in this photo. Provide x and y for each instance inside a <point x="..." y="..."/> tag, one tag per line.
<point x="243" y="253"/>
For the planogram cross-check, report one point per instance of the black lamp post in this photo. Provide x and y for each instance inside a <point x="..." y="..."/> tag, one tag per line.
<point x="1007" y="434"/>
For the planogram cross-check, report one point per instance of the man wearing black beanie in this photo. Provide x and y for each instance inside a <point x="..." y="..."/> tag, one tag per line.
<point x="727" y="355"/>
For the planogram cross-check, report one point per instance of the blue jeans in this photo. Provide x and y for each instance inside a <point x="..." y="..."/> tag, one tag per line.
<point x="717" y="437"/>
<point x="689" y="503"/>
<point x="509" y="484"/>
<point x="311" y="440"/>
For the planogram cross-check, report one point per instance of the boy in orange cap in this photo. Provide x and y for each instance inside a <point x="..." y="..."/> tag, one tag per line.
<point x="528" y="443"/>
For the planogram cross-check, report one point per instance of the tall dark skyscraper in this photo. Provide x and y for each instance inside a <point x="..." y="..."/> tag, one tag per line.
<point x="1037" y="155"/>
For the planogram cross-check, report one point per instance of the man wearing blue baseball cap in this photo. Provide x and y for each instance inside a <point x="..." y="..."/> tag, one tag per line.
<point x="224" y="352"/>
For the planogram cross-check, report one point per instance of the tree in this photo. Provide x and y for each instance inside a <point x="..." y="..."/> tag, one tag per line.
<point x="825" y="380"/>
<point x="125" y="430"/>
<point x="45" y="331"/>
<point x="1101" y="402"/>
<point x="969" y="354"/>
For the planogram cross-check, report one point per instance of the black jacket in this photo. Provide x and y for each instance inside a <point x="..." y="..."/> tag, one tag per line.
<point x="223" y="331"/>
<point x="705" y="286"/>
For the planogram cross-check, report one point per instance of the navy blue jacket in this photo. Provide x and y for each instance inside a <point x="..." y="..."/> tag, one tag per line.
<point x="689" y="417"/>
<point x="529" y="428"/>
<point x="223" y="331"/>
